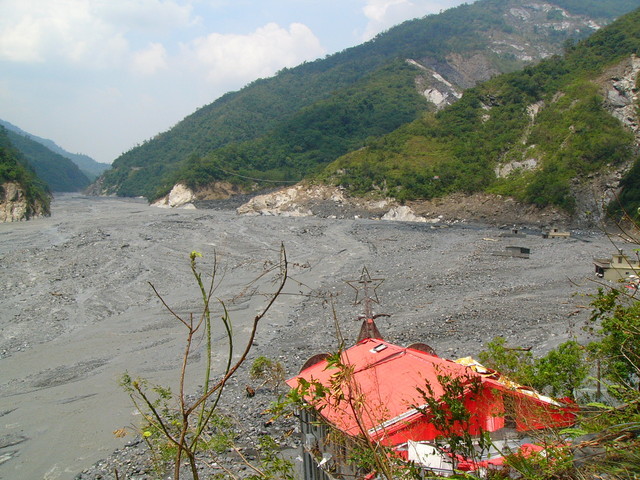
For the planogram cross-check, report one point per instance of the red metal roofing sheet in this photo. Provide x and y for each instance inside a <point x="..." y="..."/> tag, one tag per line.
<point x="385" y="380"/>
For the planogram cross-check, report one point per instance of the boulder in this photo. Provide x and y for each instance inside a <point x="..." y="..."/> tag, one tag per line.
<point x="179" y="196"/>
<point x="403" y="214"/>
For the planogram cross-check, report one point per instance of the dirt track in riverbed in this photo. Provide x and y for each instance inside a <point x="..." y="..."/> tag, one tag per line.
<point x="76" y="309"/>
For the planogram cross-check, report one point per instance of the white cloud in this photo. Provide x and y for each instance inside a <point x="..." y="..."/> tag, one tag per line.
<point x="383" y="14"/>
<point x="36" y="31"/>
<point x="20" y="41"/>
<point x="94" y="33"/>
<point x="145" y="15"/>
<point x="377" y="10"/>
<point x="242" y="58"/>
<point x="150" y="60"/>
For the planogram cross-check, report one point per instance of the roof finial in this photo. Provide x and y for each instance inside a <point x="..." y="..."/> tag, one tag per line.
<point x="367" y="286"/>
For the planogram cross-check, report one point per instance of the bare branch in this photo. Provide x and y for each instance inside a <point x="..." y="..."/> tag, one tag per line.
<point x="168" y="307"/>
<point x="254" y="329"/>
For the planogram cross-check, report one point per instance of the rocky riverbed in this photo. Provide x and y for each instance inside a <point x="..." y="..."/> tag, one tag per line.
<point x="77" y="310"/>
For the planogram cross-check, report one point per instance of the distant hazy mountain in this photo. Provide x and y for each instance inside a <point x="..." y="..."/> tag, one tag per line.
<point x="87" y="165"/>
<point x="58" y="172"/>
<point x="290" y="126"/>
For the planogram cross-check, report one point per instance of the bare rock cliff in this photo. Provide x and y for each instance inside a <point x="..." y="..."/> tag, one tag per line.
<point x="534" y="25"/>
<point x="179" y="196"/>
<point x="619" y="88"/>
<point x="182" y="196"/>
<point x="15" y="207"/>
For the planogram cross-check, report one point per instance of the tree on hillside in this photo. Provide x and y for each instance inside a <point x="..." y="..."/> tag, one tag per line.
<point x="14" y="168"/>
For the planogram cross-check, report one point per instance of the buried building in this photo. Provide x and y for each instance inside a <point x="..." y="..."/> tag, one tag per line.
<point x="403" y="400"/>
<point x="619" y="267"/>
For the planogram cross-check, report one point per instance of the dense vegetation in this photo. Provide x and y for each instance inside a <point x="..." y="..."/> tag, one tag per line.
<point x="597" y="7"/>
<point x="284" y="128"/>
<point x="13" y="168"/>
<point x="58" y="172"/>
<point x="316" y="135"/>
<point x="459" y="148"/>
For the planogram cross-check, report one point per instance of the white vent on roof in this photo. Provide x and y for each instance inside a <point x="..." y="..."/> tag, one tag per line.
<point x="378" y="348"/>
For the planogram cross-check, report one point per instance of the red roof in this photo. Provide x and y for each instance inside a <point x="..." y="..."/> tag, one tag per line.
<point x="381" y="396"/>
<point x="386" y="377"/>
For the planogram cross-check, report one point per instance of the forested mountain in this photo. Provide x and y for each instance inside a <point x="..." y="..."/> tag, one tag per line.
<point x="22" y="193"/>
<point x="534" y="135"/>
<point x="58" y="172"/>
<point x="86" y="164"/>
<point x="287" y="127"/>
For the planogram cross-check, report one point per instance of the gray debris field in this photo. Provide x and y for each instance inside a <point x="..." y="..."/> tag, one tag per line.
<point x="77" y="310"/>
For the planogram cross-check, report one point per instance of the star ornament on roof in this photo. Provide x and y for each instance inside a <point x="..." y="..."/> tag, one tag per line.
<point x="365" y="288"/>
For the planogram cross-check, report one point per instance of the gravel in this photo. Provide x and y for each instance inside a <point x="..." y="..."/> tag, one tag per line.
<point x="77" y="311"/>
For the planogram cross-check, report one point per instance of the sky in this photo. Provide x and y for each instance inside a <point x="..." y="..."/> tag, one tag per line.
<point x="101" y="76"/>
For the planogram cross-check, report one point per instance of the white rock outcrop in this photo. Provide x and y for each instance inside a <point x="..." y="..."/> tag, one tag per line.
<point x="285" y="202"/>
<point x="436" y="97"/>
<point x="180" y="196"/>
<point x="405" y="214"/>
<point x="505" y="170"/>
<point x="304" y="200"/>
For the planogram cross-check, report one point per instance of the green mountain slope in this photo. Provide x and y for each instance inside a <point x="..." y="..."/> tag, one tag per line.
<point x="533" y="135"/>
<point x="85" y="163"/>
<point x="58" y="172"/>
<point x="286" y="127"/>
<point x="13" y="170"/>
<point x="598" y="8"/>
